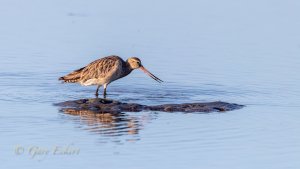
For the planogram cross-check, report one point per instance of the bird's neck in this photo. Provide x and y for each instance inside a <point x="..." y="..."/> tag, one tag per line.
<point x="127" y="69"/>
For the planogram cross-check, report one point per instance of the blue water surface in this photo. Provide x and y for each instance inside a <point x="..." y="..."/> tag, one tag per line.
<point x="245" y="52"/>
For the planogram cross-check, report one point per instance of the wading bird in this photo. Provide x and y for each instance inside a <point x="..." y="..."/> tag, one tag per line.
<point x="103" y="71"/>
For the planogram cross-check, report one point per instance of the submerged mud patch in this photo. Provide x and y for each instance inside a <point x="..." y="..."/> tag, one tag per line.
<point x="99" y="105"/>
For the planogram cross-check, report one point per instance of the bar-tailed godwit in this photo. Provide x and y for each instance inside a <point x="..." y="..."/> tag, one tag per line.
<point x="103" y="71"/>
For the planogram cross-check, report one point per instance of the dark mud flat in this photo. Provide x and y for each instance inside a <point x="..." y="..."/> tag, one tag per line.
<point x="99" y="105"/>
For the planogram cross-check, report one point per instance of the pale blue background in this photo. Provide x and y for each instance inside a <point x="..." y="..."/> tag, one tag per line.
<point x="246" y="52"/>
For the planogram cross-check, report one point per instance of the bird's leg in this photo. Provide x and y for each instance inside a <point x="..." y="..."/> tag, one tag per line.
<point x="104" y="91"/>
<point x="97" y="94"/>
<point x="104" y="94"/>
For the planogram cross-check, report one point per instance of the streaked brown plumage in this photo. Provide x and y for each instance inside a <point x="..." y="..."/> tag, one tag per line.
<point x="104" y="71"/>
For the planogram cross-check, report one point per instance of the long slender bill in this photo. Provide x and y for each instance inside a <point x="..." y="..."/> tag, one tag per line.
<point x="151" y="75"/>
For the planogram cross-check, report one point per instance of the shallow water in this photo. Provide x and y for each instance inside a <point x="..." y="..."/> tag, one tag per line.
<point x="240" y="52"/>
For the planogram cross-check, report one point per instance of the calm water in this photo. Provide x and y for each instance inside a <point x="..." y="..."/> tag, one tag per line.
<point x="242" y="52"/>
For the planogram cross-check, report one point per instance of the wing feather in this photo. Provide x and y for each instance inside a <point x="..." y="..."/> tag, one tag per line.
<point x="100" y="68"/>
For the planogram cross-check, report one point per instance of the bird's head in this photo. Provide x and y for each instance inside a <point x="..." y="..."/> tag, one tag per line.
<point x="135" y="63"/>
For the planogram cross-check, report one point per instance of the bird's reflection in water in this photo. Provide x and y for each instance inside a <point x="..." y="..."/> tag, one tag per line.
<point x="110" y="124"/>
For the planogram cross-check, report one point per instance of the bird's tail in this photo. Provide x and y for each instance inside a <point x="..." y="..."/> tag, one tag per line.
<point x="72" y="77"/>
